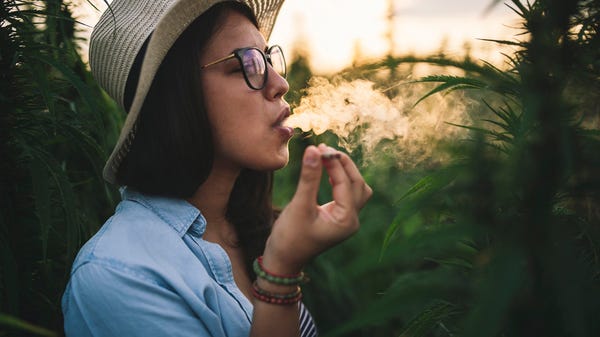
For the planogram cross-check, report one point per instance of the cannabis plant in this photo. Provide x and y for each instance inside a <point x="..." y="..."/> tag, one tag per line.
<point x="55" y="130"/>
<point x="503" y="239"/>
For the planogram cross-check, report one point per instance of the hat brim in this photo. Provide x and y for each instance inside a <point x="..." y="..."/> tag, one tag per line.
<point x="169" y="28"/>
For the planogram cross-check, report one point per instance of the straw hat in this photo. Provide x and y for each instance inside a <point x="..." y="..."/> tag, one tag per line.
<point x="119" y="35"/>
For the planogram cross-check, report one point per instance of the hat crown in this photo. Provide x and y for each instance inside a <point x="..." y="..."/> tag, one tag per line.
<point x="118" y="37"/>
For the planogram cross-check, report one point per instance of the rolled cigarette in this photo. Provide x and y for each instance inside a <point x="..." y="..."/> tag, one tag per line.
<point x="331" y="155"/>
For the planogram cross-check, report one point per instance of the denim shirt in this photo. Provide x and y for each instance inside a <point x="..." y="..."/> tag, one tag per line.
<point x="148" y="272"/>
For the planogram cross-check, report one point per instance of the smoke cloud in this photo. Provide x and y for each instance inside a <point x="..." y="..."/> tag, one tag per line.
<point x="364" y="117"/>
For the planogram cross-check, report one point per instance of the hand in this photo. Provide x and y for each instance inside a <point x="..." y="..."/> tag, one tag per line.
<point x="304" y="229"/>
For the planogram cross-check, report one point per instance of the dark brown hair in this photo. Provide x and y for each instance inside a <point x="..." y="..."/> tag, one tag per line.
<point x="172" y="151"/>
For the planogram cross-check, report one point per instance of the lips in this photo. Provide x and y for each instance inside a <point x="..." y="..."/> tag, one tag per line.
<point x="285" y="113"/>
<point x="285" y="131"/>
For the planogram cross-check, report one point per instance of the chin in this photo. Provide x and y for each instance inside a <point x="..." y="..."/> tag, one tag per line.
<point x="281" y="166"/>
<point x="266" y="160"/>
<point x="278" y="161"/>
<point x="278" y="164"/>
<point x="268" y="167"/>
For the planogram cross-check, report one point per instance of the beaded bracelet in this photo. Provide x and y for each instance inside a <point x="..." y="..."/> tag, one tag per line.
<point x="285" y="279"/>
<point x="263" y="292"/>
<point x="273" y="298"/>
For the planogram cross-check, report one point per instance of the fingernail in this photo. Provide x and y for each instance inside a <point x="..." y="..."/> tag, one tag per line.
<point x="311" y="159"/>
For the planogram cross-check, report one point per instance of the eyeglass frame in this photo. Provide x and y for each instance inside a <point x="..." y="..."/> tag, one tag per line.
<point x="266" y="57"/>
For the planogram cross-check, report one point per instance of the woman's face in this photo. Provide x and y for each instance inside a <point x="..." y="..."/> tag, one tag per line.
<point x="246" y="123"/>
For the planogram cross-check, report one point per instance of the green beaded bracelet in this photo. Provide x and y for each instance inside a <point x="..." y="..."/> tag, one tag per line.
<point x="260" y="271"/>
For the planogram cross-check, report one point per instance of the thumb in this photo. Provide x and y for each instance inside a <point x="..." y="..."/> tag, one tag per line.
<point x="310" y="177"/>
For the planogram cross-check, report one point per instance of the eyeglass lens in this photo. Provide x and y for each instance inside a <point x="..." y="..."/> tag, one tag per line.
<point x="254" y="67"/>
<point x="277" y="60"/>
<point x="253" y="61"/>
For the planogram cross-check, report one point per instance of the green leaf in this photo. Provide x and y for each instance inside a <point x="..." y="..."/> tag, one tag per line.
<point x="503" y="280"/>
<point x="448" y="82"/>
<point x="409" y="201"/>
<point x="41" y="198"/>
<point x="66" y="194"/>
<point x="82" y="88"/>
<point x="21" y="325"/>
<point x="412" y="289"/>
<point x="427" y="319"/>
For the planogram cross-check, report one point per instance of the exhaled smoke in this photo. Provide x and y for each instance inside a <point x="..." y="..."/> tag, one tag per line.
<point x="362" y="116"/>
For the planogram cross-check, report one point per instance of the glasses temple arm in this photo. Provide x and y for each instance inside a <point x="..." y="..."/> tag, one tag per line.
<point x="222" y="59"/>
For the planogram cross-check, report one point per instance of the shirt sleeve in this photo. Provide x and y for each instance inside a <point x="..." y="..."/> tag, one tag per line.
<point x="104" y="300"/>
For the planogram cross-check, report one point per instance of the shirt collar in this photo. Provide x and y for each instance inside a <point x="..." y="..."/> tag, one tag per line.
<point x="182" y="216"/>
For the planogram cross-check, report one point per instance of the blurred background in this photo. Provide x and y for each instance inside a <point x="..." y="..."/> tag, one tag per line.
<point x="475" y="122"/>
<point x="336" y="33"/>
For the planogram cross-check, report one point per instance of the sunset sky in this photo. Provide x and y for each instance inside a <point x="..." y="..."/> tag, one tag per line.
<point x="333" y="29"/>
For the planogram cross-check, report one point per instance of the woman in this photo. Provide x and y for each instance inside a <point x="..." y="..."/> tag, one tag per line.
<point x="195" y="248"/>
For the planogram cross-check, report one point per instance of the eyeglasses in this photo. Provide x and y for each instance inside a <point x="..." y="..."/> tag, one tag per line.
<point x="254" y="64"/>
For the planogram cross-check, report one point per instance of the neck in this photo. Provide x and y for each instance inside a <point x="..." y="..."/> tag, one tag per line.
<point x="211" y="198"/>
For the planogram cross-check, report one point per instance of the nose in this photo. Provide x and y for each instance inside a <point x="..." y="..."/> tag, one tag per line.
<point x="276" y="85"/>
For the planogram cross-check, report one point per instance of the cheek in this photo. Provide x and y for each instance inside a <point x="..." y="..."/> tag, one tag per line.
<point x="242" y="132"/>
<point x="236" y="126"/>
<point x="232" y="107"/>
<point x="220" y="107"/>
<point x="232" y="115"/>
<point x="226" y="101"/>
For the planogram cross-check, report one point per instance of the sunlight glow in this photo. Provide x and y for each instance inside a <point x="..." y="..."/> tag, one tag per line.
<point x="334" y="32"/>
<point x="334" y="29"/>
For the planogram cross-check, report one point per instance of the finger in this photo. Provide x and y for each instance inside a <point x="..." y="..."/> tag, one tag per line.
<point x="365" y="195"/>
<point x="339" y="180"/>
<point x="331" y="160"/>
<point x="310" y="177"/>
<point x="362" y="191"/>
<point x="351" y="168"/>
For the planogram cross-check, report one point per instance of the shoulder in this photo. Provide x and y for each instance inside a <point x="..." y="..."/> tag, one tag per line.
<point x="132" y="234"/>
<point x="143" y="263"/>
<point x="140" y="242"/>
<point x="143" y="229"/>
<point x="104" y="299"/>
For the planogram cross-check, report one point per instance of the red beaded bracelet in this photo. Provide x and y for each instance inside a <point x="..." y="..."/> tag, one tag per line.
<point x="280" y="299"/>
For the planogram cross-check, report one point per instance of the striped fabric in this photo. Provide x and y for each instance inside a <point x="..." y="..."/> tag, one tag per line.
<point x="308" y="328"/>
